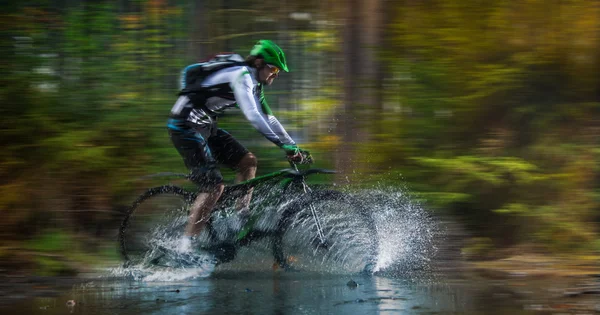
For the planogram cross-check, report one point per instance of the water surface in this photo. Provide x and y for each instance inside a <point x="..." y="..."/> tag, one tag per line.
<point x="237" y="292"/>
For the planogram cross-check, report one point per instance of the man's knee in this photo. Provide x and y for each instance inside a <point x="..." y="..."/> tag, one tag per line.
<point x="219" y="188"/>
<point x="248" y="161"/>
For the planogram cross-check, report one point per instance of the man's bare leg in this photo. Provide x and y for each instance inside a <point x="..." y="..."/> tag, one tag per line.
<point x="201" y="209"/>
<point x="246" y="170"/>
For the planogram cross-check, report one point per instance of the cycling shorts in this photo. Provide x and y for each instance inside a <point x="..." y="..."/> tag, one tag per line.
<point x="202" y="149"/>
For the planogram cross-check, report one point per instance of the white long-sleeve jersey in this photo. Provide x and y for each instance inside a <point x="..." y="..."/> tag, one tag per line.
<point x="226" y="88"/>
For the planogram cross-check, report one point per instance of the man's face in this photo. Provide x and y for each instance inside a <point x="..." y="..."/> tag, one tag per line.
<point x="267" y="74"/>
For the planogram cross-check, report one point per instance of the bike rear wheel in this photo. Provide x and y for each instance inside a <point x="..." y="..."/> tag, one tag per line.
<point x="349" y="230"/>
<point x="156" y="214"/>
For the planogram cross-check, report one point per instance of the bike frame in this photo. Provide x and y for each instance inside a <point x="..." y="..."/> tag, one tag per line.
<point x="290" y="176"/>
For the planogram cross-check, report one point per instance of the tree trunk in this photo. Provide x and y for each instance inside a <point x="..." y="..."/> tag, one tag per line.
<point x="361" y="77"/>
<point x="197" y="48"/>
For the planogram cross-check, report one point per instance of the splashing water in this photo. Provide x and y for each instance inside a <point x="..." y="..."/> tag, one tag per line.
<point x="405" y="230"/>
<point x="160" y="274"/>
<point x="403" y="241"/>
<point x="405" y="237"/>
<point x="173" y="267"/>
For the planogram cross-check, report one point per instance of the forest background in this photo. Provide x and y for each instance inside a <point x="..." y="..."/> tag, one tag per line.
<point x="487" y="112"/>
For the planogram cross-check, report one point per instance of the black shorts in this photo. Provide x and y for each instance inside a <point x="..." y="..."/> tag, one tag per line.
<point x="202" y="150"/>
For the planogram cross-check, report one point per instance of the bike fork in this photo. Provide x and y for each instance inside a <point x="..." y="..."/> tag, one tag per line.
<point x="313" y="211"/>
<point x="317" y="220"/>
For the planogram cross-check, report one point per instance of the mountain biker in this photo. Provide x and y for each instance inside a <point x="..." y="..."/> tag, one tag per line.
<point x="194" y="131"/>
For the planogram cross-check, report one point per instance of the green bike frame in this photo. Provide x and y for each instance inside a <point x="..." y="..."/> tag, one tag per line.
<point x="289" y="177"/>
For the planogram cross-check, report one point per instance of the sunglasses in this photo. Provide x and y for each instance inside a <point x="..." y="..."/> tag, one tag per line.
<point x="274" y="69"/>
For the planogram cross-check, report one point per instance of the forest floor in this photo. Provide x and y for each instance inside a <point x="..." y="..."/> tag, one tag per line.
<point x="545" y="283"/>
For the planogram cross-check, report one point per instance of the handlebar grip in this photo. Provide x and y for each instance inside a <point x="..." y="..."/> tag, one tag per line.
<point x="302" y="158"/>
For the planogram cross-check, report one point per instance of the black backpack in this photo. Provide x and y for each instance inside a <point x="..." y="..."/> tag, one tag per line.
<point x="193" y="75"/>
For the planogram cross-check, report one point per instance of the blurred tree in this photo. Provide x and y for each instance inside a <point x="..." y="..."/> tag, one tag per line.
<point x="486" y="93"/>
<point x="362" y="35"/>
<point x="490" y="110"/>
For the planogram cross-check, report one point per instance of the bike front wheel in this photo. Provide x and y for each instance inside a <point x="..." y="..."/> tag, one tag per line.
<point x="156" y="215"/>
<point x="348" y="228"/>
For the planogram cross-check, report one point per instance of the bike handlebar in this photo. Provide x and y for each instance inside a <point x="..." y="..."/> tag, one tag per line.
<point x="293" y="174"/>
<point x="297" y="173"/>
<point x="302" y="158"/>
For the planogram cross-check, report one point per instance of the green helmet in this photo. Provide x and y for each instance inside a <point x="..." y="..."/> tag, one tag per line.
<point x="271" y="53"/>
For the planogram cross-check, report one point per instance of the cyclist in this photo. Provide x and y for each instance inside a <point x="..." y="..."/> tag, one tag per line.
<point x="194" y="131"/>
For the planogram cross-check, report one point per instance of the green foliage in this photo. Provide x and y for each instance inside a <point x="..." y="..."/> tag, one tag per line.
<point x="75" y="113"/>
<point x="50" y="266"/>
<point x="489" y="110"/>
<point x="473" y="178"/>
<point x="57" y="252"/>
<point x="493" y="115"/>
<point x="51" y="241"/>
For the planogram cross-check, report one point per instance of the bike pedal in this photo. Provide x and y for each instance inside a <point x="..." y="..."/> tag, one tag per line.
<point x="155" y="261"/>
<point x="321" y="245"/>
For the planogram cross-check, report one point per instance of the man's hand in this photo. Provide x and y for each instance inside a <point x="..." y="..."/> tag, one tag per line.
<point x="297" y="155"/>
<point x="290" y="149"/>
<point x="306" y="157"/>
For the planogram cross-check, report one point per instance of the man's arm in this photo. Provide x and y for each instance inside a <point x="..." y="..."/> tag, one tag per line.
<point x="273" y="122"/>
<point x="242" y="90"/>
<point x="279" y="130"/>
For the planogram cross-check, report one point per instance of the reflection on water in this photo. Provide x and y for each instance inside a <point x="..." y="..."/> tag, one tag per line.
<point x="270" y="293"/>
<point x="249" y="286"/>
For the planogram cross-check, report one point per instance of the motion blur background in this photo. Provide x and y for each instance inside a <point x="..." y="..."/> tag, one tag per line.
<point x="487" y="112"/>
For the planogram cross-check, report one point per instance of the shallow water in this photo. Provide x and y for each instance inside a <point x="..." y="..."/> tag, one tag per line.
<point x="267" y="292"/>
<point x="405" y="284"/>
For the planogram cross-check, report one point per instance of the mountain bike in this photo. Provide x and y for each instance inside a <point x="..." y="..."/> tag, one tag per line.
<point x="319" y="225"/>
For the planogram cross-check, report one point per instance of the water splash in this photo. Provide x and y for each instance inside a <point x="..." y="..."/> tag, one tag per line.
<point x="406" y="232"/>
<point x="161" y="274"/>
<point x="163" y="265"/>
<point x="404" y="238"/>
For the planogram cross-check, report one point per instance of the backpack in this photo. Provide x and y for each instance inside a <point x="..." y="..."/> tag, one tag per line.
<point x="193" y="75"/>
